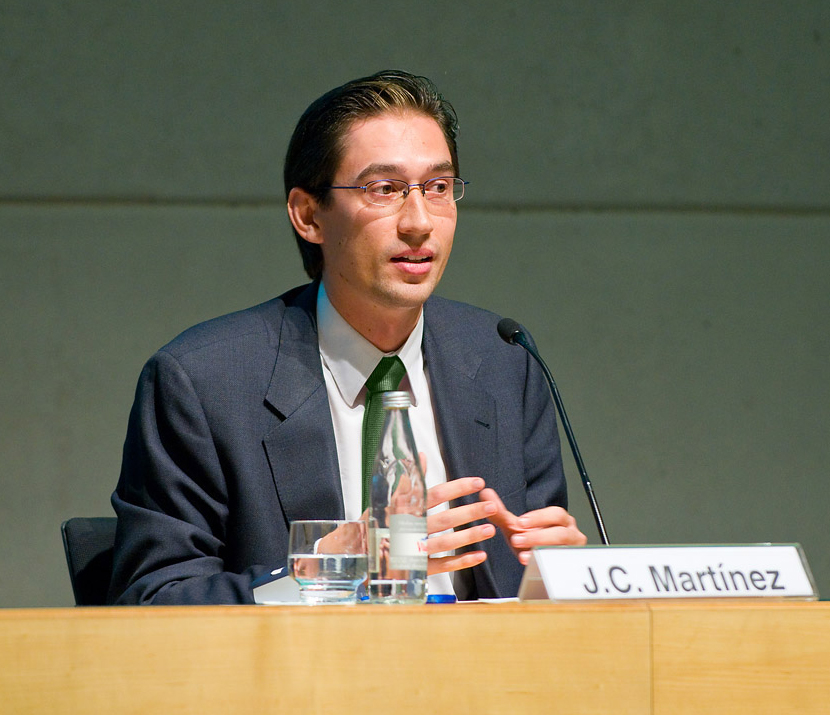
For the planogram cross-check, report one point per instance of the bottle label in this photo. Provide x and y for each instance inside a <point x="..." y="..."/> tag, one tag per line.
<point x="408" y="542"/>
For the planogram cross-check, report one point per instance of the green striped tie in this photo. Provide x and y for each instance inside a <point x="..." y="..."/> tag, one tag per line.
<point x="385" y="377"/>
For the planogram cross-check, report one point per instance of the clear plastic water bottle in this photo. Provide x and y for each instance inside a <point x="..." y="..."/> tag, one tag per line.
<point x="397" y="511"/>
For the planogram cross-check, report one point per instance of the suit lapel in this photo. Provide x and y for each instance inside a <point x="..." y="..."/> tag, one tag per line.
<point x="467" y="424"/>
<point x="301" y="448"/>
<point x="466" y="412"/>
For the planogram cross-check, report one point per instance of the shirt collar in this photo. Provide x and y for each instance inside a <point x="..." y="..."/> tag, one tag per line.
<point x="350" y="358"/>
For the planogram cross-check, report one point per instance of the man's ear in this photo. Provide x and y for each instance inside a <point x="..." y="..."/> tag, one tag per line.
<point x="302" y="210"/>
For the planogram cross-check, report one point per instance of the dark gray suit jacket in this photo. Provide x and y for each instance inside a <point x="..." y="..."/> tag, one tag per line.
<point x="230" y="438"/>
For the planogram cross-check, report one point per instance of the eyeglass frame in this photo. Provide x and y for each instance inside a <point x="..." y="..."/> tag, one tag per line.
<point x="408" y="189"/>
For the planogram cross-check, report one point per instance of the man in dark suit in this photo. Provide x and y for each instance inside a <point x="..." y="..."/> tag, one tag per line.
<point x="247" y="422"/>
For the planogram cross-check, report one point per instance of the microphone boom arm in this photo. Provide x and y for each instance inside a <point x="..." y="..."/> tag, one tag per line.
<point x="512" y="333"/>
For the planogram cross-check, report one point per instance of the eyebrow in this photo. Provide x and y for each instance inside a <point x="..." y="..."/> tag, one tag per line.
<point x="381" y="169"/>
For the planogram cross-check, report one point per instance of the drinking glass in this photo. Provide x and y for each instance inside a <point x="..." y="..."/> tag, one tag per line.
<point x="328" y="559"/>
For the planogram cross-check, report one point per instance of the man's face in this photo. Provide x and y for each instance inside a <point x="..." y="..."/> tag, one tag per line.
<point x="386" y="257"/>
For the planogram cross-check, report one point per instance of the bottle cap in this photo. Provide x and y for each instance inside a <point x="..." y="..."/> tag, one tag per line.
<point x="395" y="400"/>
<point x="441" y="598"/>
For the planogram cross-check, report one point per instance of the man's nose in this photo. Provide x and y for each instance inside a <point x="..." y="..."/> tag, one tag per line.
<point x="415" y="214"/>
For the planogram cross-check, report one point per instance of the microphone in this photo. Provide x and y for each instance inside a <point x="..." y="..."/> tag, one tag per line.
<point x="511" y="332"/>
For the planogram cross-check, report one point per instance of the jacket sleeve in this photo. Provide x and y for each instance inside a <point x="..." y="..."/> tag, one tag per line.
<point x="172" y="500"/>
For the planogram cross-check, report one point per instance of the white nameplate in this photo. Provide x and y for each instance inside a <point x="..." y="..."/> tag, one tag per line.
<point x="585" y="573"/>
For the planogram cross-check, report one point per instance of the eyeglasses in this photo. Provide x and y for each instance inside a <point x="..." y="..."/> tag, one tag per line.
<point x="388" y="192"/>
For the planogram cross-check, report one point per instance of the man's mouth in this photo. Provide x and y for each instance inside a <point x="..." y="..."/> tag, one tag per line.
<point x="411" y="259"/>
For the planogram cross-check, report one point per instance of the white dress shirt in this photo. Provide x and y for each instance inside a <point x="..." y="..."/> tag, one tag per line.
<point x="348" y="360"/>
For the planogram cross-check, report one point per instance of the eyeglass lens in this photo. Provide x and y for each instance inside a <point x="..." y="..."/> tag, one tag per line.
<point x="440" y="190"/>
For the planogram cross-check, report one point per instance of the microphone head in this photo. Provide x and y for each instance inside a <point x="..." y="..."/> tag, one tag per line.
<point x="509" y="330"/>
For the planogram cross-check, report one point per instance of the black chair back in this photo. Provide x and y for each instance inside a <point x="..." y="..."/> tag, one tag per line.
<point x="88" y="543"/>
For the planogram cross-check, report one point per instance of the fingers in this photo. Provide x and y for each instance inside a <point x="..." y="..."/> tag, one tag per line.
<point x="551" y="526"/>
<point x="548" y="516"/>
<point x="522" y="543"/>
<point x="459" y="515"/>
<point x="451" y="540"/>
<point x="541" y="527"/>
<point x="551" y="536"/>
<point x="453" y="489"/>
<point x="441" y="525"/>
<point x="455" y="563"/>
<point x="501" y="517"/>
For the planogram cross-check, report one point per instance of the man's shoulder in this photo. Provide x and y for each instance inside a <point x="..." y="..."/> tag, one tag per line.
<point x="443" y="314"/>
<point x="456" y="308"/>
<point x="462" y="339"/>
<point x="257" y="324"/>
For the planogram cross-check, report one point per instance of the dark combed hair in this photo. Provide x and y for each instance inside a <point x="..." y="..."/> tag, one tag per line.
<point x="316" y="146"/>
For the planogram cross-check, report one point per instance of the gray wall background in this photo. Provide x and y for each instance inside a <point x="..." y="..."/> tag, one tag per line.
<point x="650" y="196"/>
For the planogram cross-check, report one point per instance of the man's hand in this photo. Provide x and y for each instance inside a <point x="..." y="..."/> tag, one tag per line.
<point x="550" y="526"/>
<point x="455" y="517"/>
<point x="348" y="538"/>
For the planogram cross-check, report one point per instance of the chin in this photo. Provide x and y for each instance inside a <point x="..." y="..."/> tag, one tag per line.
<point x="409" y="295"/>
